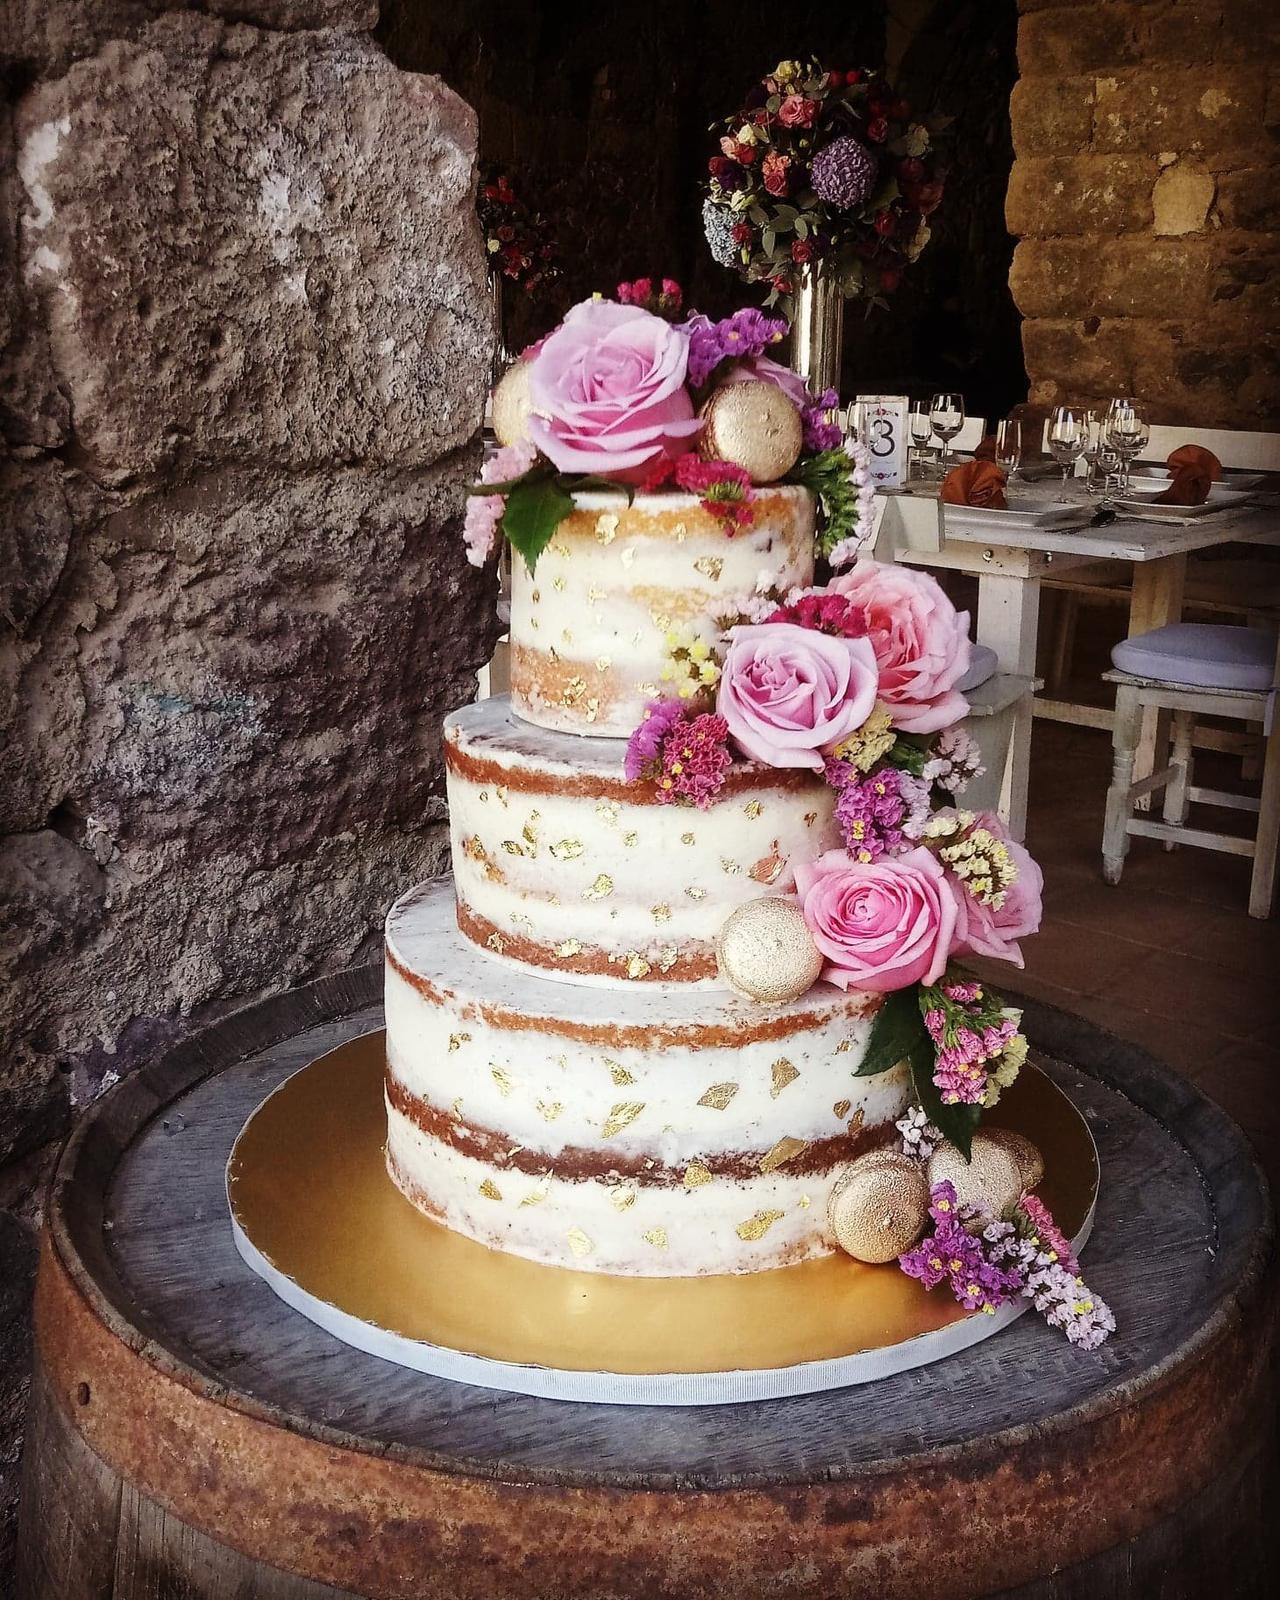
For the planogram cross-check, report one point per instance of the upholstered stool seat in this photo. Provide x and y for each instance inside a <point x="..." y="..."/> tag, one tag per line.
<point x="1206" y="655"/>
<point x="983" y="662"/>
<point x="1194" y="669"/>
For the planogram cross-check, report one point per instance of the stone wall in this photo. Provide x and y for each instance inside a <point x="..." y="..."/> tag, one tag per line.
<point x="1145" y="194"/>
<point x="245" y="336"/>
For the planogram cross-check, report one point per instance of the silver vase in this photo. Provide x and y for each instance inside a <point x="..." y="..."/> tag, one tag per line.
<point x="817" y="330"/>
<point x="497" y="295"/>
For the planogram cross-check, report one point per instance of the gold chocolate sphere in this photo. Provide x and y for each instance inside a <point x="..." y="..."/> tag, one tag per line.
<point x="878" y="1206"/>
<point x="753" y="425"/>
<point x="991" y="1179"/>
<point x="765" y="951"/>
<point x="511" y="405"/>
<point x="1030" y="1161"/>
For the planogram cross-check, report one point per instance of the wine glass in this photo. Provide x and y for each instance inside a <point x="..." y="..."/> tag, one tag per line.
<point x="1100" y="454"/>
<point x="946" y="413"/>
<point x="1066" y="438"/>
<point x="921" y="427"/>
<point x="1129" y="432"/>
<point x="1009" y="445"/>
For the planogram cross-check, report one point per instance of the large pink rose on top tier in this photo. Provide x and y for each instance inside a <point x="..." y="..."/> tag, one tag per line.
<point x="881" y="925"/>
<point x="982" y="930"/>
<point x="921" y="643"/>
<point x="607" y="392"/>
<point x="789" y="693"/>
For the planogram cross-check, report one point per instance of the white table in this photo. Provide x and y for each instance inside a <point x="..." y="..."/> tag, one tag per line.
<point x="1009" y="570"/>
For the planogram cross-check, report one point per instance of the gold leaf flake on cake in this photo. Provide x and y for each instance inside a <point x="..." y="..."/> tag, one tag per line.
<point x="622" y="1198"/>
<point x="786" y="1149"/>
<point x="731" y="868"/>
<point x="535" y="1197"/>
<point x="718" y="1096"/>
<point x="501" y="791"/>
<point x="843" y="1046"/>
<point x="579" y="1243"/>
<point x="710" y="567"/>
<point x="607" y="527"/>
<point x="686" y="838"/>
<point x="628" y="555"/>
<point x="563" y="1063"/>
<point x="856" y="1120"/>
<point x="473" y="849"/>
<point x="637" y="966"/>
<point x="455" y="1110"/>
<point x="593" y="708"/>
<point x="680" y="532"/>
<point x="557" y="583"/>
<point x="496" y="943"/>
<point x="695" y="1175"/>
<point x="490" y="1190"/>
<point x="567" y="849"/>
<point x="457" y="1040"/>
<point x="536" y="596"/>
<point x="503" y="1079"/>
<point x="600" y="889"/>
<point x="594" y="594"/>
<point x="513" y="847"/>
<point x="630" y="839"/>
<point x="661" y="620"/>
<point x="781" y="1074"/>
<point x="549" y="1110"/>
<point x="566" y="636"/>
<point x="695" y="893"/>
<point x="841" y="1109"/>
<point x="573" y="691"/>
<point x="621" y="1116"/>
<point x="660" y="913"/>
<point x="752" y="809"/>
<point x="484" y="797"/>
<point x="558" y="547"/>
<point x="756" y="1227"/>
<point x="607" y="811"/>
<point x="603" y="663"/>
<point x="619" y="1073"/>
<point x="657" y="1237"/>
<point x="570" y="947"/>
<point x="810" y="817"/>
<point x="667" y="958"/>
<point x="804" y="1202"/>
<point x="529" y="833"/>
<point x="767" y="869"/>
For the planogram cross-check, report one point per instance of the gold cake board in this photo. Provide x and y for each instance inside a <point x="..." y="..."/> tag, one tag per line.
<point x="315" y="1214"/>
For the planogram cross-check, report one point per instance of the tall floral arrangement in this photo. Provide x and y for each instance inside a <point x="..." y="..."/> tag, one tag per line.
<point x="518" y="243"/>
<point x="824" y="169"/>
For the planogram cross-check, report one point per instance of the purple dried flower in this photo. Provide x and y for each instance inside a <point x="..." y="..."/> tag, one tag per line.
<point x="644" y="747"/>
<point x="843" y="174"/>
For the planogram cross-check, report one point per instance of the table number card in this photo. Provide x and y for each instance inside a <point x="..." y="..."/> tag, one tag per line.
<point x="882" y="427"/>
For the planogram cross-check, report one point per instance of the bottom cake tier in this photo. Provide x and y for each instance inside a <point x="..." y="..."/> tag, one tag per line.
<point x="658" y="1132"/>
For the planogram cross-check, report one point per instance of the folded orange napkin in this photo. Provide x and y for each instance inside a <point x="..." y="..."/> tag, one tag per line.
<point x="986" y="450"/>
<point x="1192" y="469"/>
<point x="977" y="483"/>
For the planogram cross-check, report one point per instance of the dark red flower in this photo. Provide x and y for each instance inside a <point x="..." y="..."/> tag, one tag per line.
<point x="727" y="171"/>
<point x="834" y="79"/>
<point x="924" y="197"/>
<point x="911" y="170"/>
<point x="853" y="77"/>
<point x="878" y="130"/>
<point x="742" y="233"/>
<point x="886" y="224"/>
<point x="745" y="153"/>
<point x="801" y="250"/>
<point x="890" y="278"/>
<point x="782" y="284"/>
<point x="776" y="170"/>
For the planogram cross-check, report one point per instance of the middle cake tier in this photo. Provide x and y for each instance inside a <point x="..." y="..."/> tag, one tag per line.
<point x="564" y="867"/>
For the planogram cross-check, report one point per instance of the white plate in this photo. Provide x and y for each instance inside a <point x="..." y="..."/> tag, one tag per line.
<point x="1022" y="515"/>
<point x="1233" y="482"/>
<point x="1145" y="509"/>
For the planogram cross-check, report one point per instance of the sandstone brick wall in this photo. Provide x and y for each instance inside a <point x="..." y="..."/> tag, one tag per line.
<point x="244" y="341"/>
<point x="1144" y="192"/>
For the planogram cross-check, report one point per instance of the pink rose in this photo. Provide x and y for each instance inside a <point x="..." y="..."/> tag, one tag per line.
<point x="981" y="930"/>
<point x="883" y="924"/>
<point x="789" y="693"/>
<point x="797" y="112"/>
<point x="921" y="643"/>
<point x="607" y="391"/>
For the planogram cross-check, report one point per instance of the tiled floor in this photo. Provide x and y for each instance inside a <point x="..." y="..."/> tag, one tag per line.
<point x="1170" y="957"/>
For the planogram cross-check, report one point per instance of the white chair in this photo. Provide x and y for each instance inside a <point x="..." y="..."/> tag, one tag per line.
<point x="1194" y="670"/>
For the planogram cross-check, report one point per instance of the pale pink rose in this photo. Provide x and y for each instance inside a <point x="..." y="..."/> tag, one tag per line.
<point x="789" y="693"/>
<point x="921" y="643"/>
<point x="797" y="112"/>
<point x="607" y="392"/>
<point x="984" y="931"/>
<point x="883" y="924"/>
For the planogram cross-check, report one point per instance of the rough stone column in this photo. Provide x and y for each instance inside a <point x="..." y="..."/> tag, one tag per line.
<point x="246" y="337"/>
<point x="1145" y="195"/>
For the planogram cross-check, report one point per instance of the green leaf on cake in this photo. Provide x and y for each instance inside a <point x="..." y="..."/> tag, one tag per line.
<point x="957" y="1123"/>
<point x="534" y="510"/>
<point x="895" y="1033"/>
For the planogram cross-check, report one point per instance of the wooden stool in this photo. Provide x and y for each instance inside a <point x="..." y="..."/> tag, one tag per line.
<point x="191" y="1438"/>
<point x="1149" y="684"/>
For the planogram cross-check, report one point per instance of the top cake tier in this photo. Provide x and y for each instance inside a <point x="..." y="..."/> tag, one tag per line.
<point x="589" y="628"/>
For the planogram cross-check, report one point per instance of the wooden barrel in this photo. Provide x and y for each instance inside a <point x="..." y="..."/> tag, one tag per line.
<point x="191" y="1436"/>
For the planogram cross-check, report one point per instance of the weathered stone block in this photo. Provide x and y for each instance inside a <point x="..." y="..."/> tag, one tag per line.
<point x="1129" y="277"/>
<point x="1232" y="30"/>
<point x="1082" y="358"/>
<point x="1249" y="197"/>
<point x="1080" y="195"/>
<point x="1205" y="372"/>
<point x="1182" y="199"/>
<point x="1181" y="109"/>
<point x="294" y="14"/>
<point x="1077" y="38"/>
<point x="256" y="245"/>
<point x="1051" y="116"/>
